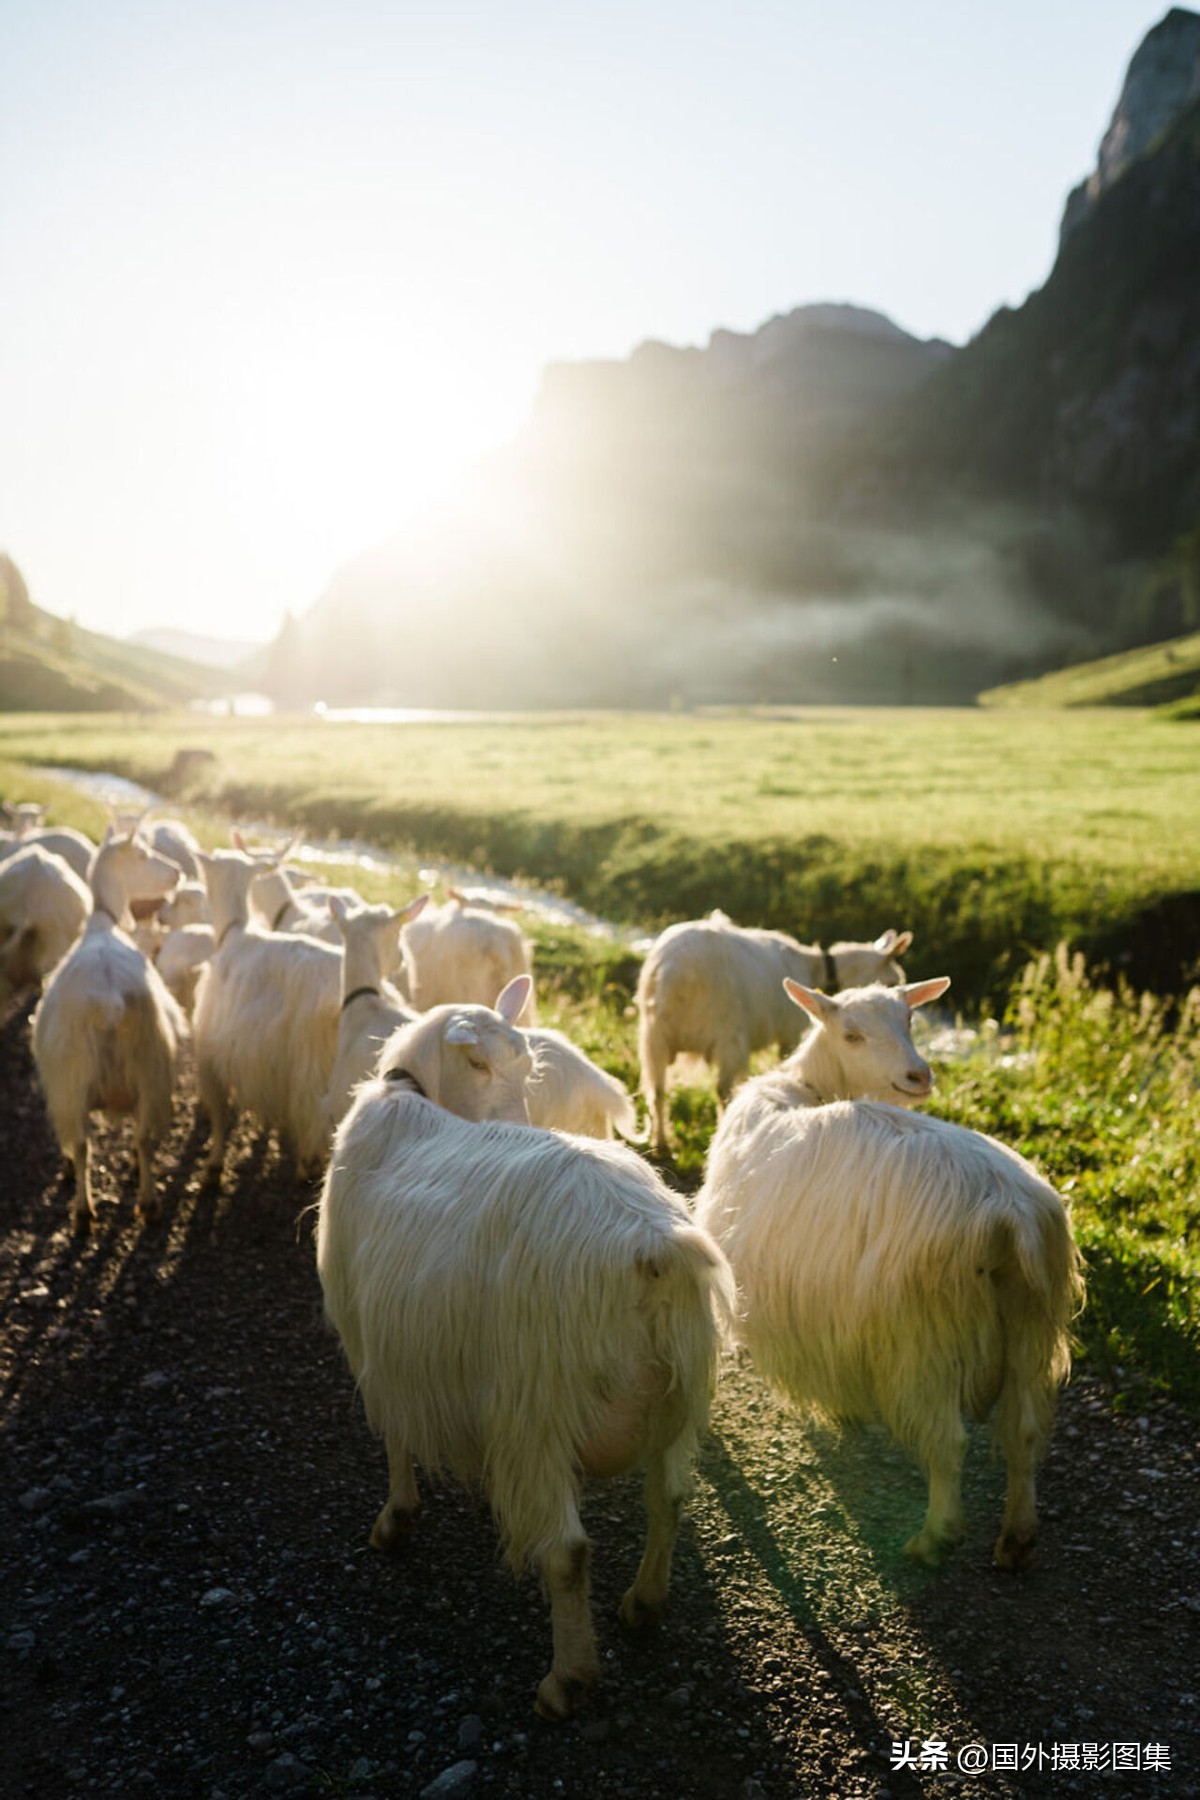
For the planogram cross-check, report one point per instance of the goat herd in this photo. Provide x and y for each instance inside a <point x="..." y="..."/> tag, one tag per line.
<point x="522" y="1300"/>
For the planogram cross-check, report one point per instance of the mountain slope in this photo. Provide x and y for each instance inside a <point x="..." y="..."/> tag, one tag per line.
<point x="48" y="664"/>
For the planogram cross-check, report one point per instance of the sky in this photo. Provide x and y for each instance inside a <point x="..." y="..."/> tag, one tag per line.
<point x="273" y="271"/>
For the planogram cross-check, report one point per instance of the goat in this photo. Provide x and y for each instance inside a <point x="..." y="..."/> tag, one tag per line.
<point x="712" y="989"/>
<point x="371" y="1010"/>
<point x="891" y="1265"/>
<point x="567" y="1092"/>
<point x="521" y="1309"/>
<point x="453" y="952"/>
<point x="106" y="1031"/>
<point x="75" y="847"/>
<point x="265" y="1020"/>
<point x="43" y="908"/>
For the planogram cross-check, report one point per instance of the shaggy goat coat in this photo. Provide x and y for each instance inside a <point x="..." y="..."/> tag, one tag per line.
<point x="892" y="1266"/>
<point x="453" y="953"/>
<point x="43" y="908"/>
<point x="106" y="1035"/>
<point x="497" y="1288"/>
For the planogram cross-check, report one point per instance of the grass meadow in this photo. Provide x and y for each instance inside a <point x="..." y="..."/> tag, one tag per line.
<point x="1020" y="847"/>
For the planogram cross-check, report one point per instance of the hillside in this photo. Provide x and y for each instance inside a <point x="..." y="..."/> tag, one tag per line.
<point x="48" y="664"/>
<point x="1152" y="675"/>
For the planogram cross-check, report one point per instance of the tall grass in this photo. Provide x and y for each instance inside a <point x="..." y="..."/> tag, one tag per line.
<point x="1101" y="1090"/>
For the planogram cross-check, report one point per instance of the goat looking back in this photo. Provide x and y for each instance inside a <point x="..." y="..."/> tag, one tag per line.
<point x="893" y="1266"/>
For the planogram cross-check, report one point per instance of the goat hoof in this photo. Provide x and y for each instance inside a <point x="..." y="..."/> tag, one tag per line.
<point x="392" y="1528"/>
<point x="81" y="1224"/>
<point x="639" y="1614"/>
<point x="1013" y="1552"/>
<point x="149" y="1212"/>
<point x="559" y="1695"/>
<point x="927" y="1548"/>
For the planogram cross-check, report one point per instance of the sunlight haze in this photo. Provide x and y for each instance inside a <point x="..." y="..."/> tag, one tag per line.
<point x="275" y="273"/>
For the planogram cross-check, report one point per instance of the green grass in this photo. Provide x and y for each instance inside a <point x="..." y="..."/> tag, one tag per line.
<point x="1154" y="675"/>
<point x="1102" y="1094"/>
<point x="991" y="835"/>
<point x="1097" y="1085"/>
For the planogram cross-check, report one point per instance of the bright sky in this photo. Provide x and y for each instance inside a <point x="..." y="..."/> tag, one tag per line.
<point x="271" y="270"/>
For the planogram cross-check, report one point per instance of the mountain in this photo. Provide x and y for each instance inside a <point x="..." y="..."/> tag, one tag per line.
<point x="827" y="509"/>
<point x="1162" y="79"/>
<point x="191" y="646"/>
<point x="643" y="537"/>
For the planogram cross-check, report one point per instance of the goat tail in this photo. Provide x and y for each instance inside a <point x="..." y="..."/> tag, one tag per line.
<point x="688" y="1303"/>
<point x="100" y="1012"/>
<point x="623" y="1114"/>
<point x="1040" y="1290"/>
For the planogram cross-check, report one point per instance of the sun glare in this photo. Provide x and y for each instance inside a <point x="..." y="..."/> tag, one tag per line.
<point x="336" y="443"/>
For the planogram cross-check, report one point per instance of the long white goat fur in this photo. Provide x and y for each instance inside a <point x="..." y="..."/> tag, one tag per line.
<point x="892" y="1265"/>
<point x="44" y="905"/>
<point x="568" y="1092"/>
<point x="455" y="953"/>
<point x="106" y="1035"/>
<point x="265" y="1025"/>
<point x="493" y="1285"/>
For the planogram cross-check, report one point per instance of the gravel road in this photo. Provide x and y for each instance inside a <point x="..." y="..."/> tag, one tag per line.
<point x="188" y="1606"/>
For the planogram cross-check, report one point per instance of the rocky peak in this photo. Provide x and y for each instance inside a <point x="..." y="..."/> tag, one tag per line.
<point x="1162" y="78"/>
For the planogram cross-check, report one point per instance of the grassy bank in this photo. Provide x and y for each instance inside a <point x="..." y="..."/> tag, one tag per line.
<point x="992" y="835"/>
<point x="1097" y="1086"/>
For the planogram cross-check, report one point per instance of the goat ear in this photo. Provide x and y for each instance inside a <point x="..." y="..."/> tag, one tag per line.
<point x="812" y="1000"/>
<point x="900" y="942"/>
<point x="885" y="943"/>
<point x="338" y="908"/>
<point x="919" y="993"/>
<point x="512" y="1000"/>
<point x="461" y="1031"/>
<point x="239" y="842"/>
<point x="412" y="910"/>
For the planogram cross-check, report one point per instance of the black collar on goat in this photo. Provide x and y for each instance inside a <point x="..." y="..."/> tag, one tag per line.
<point x="357" y="993"/>
<point x="408" y="1078"/>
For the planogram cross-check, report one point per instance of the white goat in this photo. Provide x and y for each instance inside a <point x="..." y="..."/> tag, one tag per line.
<point x="43" y="907"/>
<point x="892" y="1266"/>
<point x="453" y="952"/>
<point x="180" y="962"/>
<point x="371" y="1009"/>
<point x="265" y="1020"/>
<point x="75" y="848"/>
<point x="712" y="989"/>
<point x="170" y="837"/>
<point x="567" y="1092"/>
<point x="106" y="1032"/>
<point x="188" y="905"/>
<point x="521" y="1309"/>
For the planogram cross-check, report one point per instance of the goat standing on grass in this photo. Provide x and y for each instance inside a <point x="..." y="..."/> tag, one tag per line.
<point x="518" y="1308"/>
<point x="106" y="1033"/>
<point x="713" y="989"/>
<point x="890" y="1265"/>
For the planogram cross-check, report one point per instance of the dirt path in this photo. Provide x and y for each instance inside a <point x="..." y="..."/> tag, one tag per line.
<point x="188" y="1607"/>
